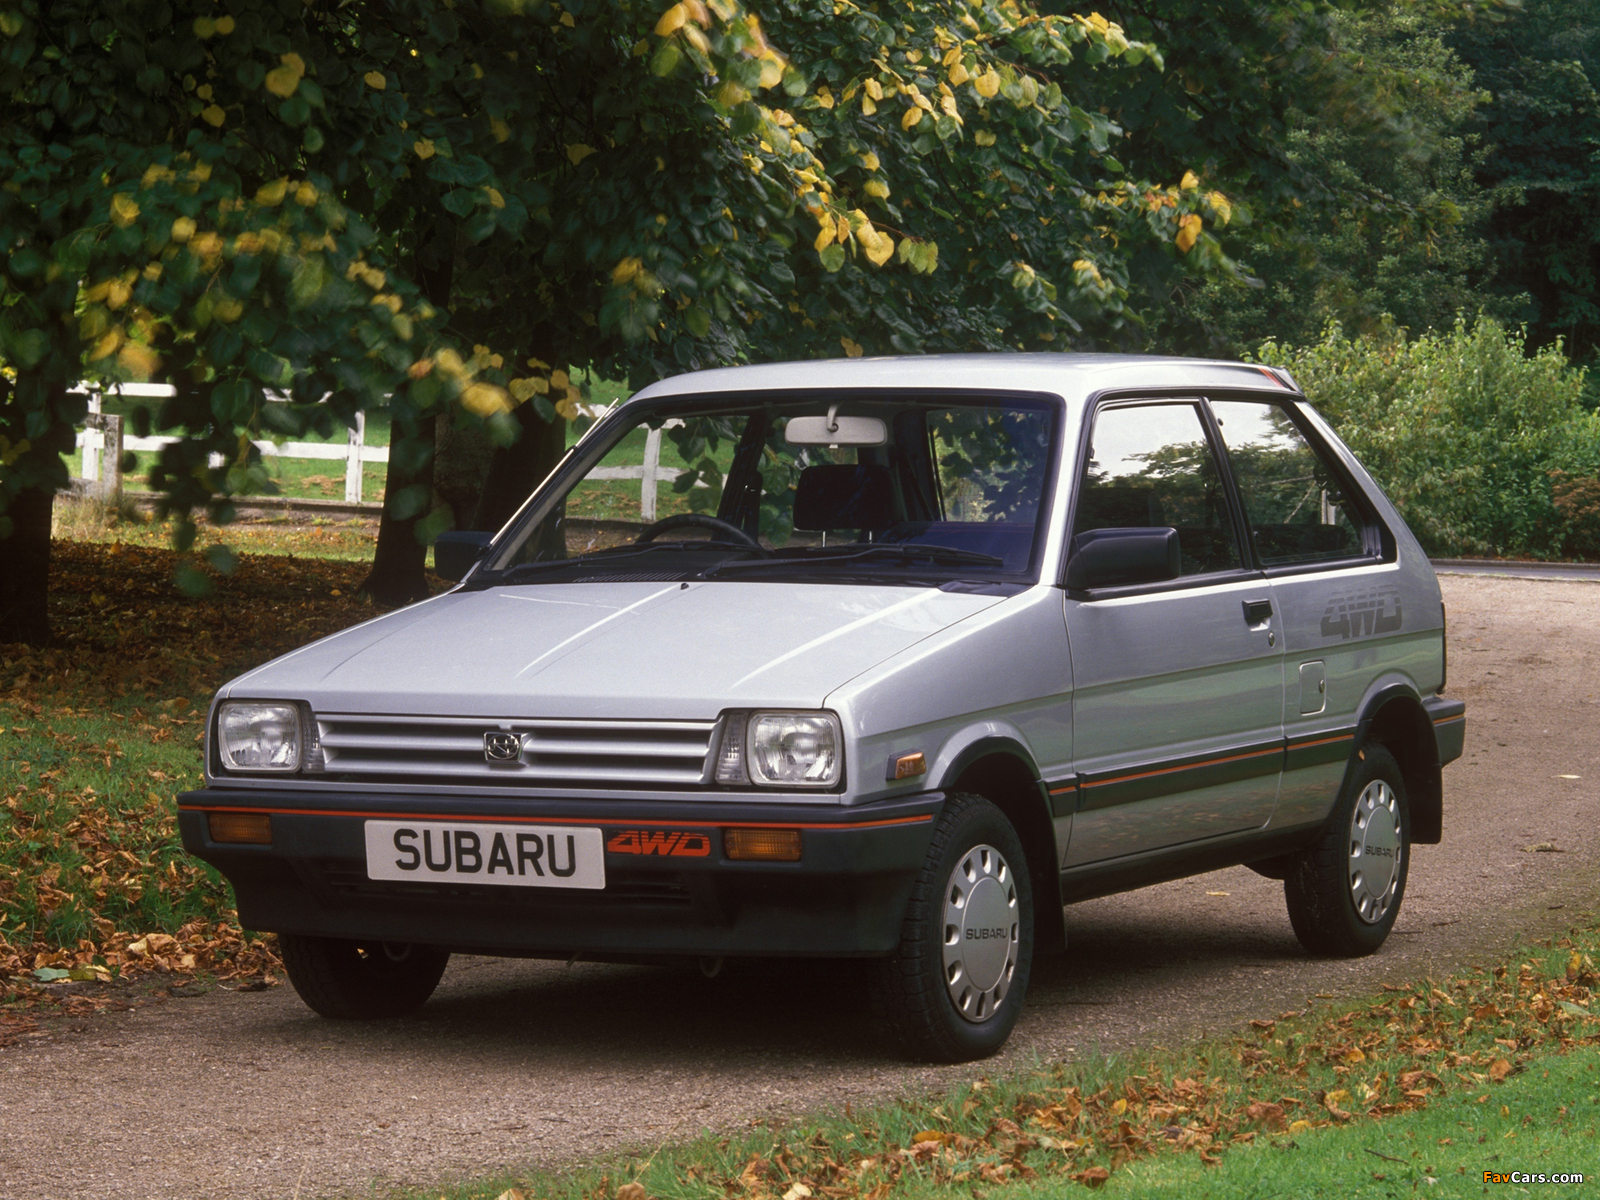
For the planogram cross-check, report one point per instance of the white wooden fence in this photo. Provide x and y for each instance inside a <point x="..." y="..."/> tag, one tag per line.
<point x="103" y="442"/>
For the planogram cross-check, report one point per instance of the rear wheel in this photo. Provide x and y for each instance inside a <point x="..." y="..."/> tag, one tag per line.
<point x="1344" y="891"/>
<point x="360" y="981"/>
<point x="953" y="989"/>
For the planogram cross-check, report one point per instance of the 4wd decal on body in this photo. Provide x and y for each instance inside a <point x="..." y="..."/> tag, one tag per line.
<point x="660" y="841"/>
<point x="1363" y="614"/>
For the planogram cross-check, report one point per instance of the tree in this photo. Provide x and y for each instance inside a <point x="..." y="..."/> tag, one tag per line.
<point x="1542" y="130"/>
<point x="264" y="198"/>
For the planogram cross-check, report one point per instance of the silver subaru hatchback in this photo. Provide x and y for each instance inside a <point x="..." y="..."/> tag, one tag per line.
<point x="876" y="659"/>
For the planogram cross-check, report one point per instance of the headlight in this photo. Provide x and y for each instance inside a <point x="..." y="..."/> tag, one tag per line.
<point x="259" y="737"/>
<point x="792" y="749"/>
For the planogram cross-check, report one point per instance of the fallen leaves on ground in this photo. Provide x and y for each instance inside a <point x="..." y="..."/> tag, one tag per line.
<point x="99" y="732"/>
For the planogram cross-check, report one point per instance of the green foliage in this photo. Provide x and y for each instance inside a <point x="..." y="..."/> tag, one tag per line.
<point x="1385" y="218"/>
<point x="1540" y="129"/>
<point x="1462" y="429"/>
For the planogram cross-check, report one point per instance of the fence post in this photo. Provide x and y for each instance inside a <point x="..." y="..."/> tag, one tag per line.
<point x="111" y="462"/>
<point x="352" y="462"/>
<point x="647" y="484"/>
<point x="91" y="452"/>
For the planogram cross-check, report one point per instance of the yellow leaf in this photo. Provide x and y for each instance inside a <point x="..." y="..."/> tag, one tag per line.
<point x="213" y="115"/>
<point x="139" y="361"/>
<point x="486" y="399"/>
<point x="499" y="128"/>
<point x="568" y="409"/>
<point x="203" y="91"/>
<point x="851" y="349"/>
<point x="983" y="137"/>
<point x="988" y="84"/>
<point x="375" y="80"/>
<point x="1120" y="1107"/>
<point x="107" y="346"/>
<point x="496" y="200"/>
<point x="730" y="94"/>
<point x="1299" y="1126"/>
<point x="568" y="21"/>
<point x="671" y="21"/>
<point x="538" y="364"/>
<point x="874" y="89"/>
<point x="958" y="75"/>
<point x="271" y="194"/>
<point x="869" y="160"/>
<point x="772" y="70"/>
<point x="205" y="27"/>
<point x="305" y="195"/>
<point x="283" y="80"/>
<point x="182" y="229"/>
<point x="910" y="118"/>
<point x="224" y="25"/>
<point x="844" y="230"/>
<point x="948" y="104"/>
<point x="1189" y="182"/>
<point x="117" y="294"/>
<point x="124" y="210"/>
<point x="824" y="97"/>
<point x="868" y="106"/>
<point x="1188" y="232"/>
<point x="880" y="249"/>
<point x="420" y="369"/>
<point x="526" y="389"/>
<point x="1355" y="1054"/>
<point x="423" y="147"/>
<point x="824" y="237"/>
<point x="559" y="379"/>
<point x="1221" y="206"/>
<point x="625" y="270"/>
<point x="876" y="188"/>
<point x="577" y="153"/>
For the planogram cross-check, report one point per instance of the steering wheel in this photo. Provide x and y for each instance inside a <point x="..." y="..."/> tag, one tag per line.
<point x="684" y="520"/>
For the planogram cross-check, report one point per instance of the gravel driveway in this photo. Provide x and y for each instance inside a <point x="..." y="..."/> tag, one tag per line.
<point x="249" y="1095"/>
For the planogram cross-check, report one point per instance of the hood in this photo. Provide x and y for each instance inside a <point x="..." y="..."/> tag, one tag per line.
<point x="611" y="650"/>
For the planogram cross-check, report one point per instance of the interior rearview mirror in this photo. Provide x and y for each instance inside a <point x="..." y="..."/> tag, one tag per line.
<point x="834" y="430"/>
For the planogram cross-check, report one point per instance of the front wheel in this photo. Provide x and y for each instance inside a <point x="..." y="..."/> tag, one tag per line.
<point x="360" y="981"/>
<point x="953" y="989"/>
<point x="1344" y="891"/>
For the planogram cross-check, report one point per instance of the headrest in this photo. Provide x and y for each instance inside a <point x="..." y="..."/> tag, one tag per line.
<point x="842" y="496"/>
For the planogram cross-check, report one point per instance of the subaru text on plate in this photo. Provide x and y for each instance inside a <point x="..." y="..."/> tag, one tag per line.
<point x="885" y="660"/>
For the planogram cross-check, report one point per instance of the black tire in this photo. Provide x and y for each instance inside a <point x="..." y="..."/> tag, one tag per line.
<point x="911" y="994"/>
<point x="360" y="981"/>
<point x="1339" y="907"/>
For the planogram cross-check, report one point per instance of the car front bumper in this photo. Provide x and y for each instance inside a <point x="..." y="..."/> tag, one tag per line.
<point x="846" y="896"/>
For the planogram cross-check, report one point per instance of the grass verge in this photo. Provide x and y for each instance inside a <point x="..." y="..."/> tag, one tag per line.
<point x="1417" y="1090"/>
<point x="97" y="735"/>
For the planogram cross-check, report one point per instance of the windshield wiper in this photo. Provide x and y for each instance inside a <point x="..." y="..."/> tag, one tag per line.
<point x="900" y="550"/>
<point x="602" y="558"/>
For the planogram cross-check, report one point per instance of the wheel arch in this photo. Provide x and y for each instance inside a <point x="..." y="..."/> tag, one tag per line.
<point x="1393" y="717"/>
<point x="1003" y="772"/>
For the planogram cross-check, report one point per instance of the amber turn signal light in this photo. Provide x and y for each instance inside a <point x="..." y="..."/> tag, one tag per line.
<point x="909" y="766"/>
<point x="762" y="845"/>
<point x="252" y="828"/>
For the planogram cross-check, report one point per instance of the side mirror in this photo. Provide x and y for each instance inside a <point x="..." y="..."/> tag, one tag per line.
<point x="1123" y="557"/>
<point x="456" y="552"/>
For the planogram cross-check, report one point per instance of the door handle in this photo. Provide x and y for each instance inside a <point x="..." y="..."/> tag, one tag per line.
<point x="1257" y="613"/>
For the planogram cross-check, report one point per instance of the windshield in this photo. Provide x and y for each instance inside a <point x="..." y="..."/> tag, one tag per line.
<point x="886" y="487"/>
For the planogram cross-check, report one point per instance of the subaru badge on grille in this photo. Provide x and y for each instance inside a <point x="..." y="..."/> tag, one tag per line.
<point x="502" y="747"/>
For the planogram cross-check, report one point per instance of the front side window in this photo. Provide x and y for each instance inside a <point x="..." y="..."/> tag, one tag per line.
<point x="1297" y="509"/>
<point x="891" y="488"/>
<point x="1151" y="465"/>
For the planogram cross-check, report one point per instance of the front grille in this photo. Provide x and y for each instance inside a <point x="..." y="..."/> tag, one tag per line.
<point x="557" y="751"/>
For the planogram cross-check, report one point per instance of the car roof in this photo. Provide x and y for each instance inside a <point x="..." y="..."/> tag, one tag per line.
<point x="1071" y="376"/>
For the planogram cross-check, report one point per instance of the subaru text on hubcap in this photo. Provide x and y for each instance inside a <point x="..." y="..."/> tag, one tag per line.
<point x="1375" y="851"/>
<point x="980" y="932"/>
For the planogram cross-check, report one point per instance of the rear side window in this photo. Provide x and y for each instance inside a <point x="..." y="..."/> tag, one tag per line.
<point x="1298" y="510"/>
<point x="1152" y="465"/>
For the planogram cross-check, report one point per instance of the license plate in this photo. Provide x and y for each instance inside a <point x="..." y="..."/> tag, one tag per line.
<point x="552" y="856"/>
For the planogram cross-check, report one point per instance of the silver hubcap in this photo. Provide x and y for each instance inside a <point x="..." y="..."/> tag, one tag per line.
<point x="1375" y="851"/>
<point x="980" y="932"/>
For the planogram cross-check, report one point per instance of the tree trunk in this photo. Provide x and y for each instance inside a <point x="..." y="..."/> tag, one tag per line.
<point x="25" y="579"/>
<point x="520" y="467"/>
<point x="462" y="457"/>
<point x="399" y="564"/>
